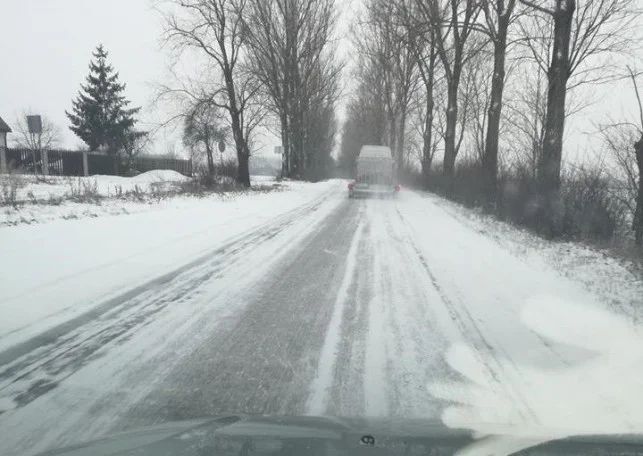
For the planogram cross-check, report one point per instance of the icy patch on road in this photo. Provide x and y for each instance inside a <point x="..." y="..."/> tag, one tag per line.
<point x="599" y="396"/>
<point x="318" y="401"/>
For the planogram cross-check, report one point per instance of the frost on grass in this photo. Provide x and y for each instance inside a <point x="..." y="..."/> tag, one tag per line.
<point x="601" y="395"/>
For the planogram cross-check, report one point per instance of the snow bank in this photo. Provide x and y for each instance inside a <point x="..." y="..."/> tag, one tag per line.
<point x="51" y="272"/>
<point x="162" y="175"/>
<point x="65" y="191"/>
<point x="40" y="188"/>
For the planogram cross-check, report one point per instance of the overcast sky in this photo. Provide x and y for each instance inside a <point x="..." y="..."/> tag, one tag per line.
<point x="47" y="46"/>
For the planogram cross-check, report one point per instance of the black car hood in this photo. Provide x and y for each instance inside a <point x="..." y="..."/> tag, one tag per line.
<point x="246" y="435"/>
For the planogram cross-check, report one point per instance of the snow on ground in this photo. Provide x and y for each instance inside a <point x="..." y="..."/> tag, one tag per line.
<point x="57" y="197"/>
<point x="42" y="265"/>
<point x="533" y="344"/>
<point x="613" y="280"/>
<point x="42" y="188"/>
<point x="548" y="336"/>
<point x="425" y="305"/>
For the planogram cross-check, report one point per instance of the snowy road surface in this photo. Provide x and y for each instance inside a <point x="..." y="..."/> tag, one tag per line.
<point x="330" y="306"/>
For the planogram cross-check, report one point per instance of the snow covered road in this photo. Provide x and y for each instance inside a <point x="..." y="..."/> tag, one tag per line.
<point x="332" y="306"/>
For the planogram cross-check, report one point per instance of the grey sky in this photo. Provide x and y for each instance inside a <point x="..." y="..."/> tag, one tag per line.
<point x="47" y="46"/>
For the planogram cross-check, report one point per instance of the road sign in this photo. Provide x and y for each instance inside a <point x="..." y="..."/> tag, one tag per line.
<point x="279" y="150"/>
<point x="35" y="124"/>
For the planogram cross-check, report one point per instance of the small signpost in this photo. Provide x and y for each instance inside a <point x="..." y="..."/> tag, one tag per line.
<point x="279" y="150"/>
<point x="34" y="124"/>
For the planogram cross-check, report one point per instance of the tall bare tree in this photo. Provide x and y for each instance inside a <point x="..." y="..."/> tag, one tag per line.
<point x="291" y="53"/>
<point x="557" y="76"/>
<point x="573" y="44"/>
<point x="214" y="28"/>
<point x="498" y="16"/>
<point x="453" y="22"/>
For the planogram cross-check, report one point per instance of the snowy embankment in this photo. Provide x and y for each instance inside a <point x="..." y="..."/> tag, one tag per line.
<point x="28" y="199"/>
<point x="52" y="272"/>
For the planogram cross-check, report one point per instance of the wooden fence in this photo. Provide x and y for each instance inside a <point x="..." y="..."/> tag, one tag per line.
<point x="70" y="163"/>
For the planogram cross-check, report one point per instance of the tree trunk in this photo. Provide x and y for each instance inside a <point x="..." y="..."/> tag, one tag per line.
<point x="637" y="224"/>
<point x="490" y="157"/>
<point x="243" y="153"/>
<point x="241" y="146"/>
<point x="210" y="158"/>
<point x="550" y="164"/>
<point x="244" y="168"/>
<point x="451" y="123"/>
<point x="400" y="141"/>
<point x="285" y="142"/>
<point x="392" y="136"/>
<point x="427" y="145"/>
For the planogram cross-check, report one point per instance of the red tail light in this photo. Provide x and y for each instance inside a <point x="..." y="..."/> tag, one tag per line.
<point x="398" y="188"/>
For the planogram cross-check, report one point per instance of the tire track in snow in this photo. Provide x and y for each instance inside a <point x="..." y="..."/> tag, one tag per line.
<point x="63" y="351"/>
<point x="413" y="341"/>
<point x="51" y="336"/>
<point x="460" y="316"/>
<point x="376" y="369"/>
<point x="321" y="385"/>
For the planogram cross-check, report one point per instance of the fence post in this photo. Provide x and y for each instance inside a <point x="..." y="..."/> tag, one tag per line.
<point x="3" y="160"/>
<point x="45" y="162"/>
<point x="85" y="164"/>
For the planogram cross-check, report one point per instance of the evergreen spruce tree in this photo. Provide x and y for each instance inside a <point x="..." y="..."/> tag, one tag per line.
<point x="100" y="116"/>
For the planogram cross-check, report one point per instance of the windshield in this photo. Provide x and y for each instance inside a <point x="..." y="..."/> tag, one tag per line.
<point x="418" y="211"/>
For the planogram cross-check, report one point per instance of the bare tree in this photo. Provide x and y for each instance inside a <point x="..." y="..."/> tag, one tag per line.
<point x="573" y="47"/>
<point x="291" y="54"/>
<point x="475" y="100"/>
<point x="135" y="143"/>
<point x="498" y="16"/>
<point x="48" y="138"/>
<point x="421" y="41"/>
<point x="384" y="39"/>
<point x="203" y="130"/>
<point x="525" y="116"/>
<point x="423" y="123"/>
<point x="453" y="22"/>
<point x="557" y="75"/>
<point x="365" y="115"/>
<point x="215" y="29"/>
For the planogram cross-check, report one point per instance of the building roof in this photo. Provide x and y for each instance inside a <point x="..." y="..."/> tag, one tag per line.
<point x="4" y="128"/>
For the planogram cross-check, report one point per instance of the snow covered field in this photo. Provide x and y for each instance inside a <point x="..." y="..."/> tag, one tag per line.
<point x="305" y="302"/>
<point x="82" y="197"/>
<point x="51" y="272"/>
<point x="41" y="188"/>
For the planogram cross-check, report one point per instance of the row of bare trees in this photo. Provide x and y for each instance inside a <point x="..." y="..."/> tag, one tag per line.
<point x="496" y="78"/>
<point x="259" y="61"/>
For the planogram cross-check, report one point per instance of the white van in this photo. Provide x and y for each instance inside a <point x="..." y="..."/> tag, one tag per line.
<point x="375" y="173"/>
